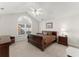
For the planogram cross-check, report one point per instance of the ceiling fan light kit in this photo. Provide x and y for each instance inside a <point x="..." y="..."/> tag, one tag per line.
<point x="36" y="12"/>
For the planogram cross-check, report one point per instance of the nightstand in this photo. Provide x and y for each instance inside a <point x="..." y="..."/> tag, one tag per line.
<point x="63" y="40"/>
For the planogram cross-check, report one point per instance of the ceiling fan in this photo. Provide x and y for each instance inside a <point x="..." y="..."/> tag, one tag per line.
<point x="36" y="12"/>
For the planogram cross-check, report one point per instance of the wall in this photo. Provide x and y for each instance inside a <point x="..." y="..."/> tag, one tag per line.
<point x="67" y="23"/>
<point x="8" y="24"/>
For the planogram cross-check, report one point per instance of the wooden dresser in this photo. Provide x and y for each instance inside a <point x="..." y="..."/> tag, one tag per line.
<point x="63" y="40"/>
<point x="4" y="46"/>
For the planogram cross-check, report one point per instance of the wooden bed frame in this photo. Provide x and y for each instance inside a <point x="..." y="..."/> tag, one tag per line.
<point x="38" y="40"/>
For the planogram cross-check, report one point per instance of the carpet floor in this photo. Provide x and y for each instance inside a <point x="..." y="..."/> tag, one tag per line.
<point x="25" y="49"/>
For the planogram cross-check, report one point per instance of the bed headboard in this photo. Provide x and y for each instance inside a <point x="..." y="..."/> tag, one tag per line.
<point x="50" y="32"/>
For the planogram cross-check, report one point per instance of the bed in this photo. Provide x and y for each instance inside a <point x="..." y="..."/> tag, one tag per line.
<point x="43" y="40"/>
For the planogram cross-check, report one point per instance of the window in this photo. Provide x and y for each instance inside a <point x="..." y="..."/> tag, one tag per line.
<point x="24" y="29"/>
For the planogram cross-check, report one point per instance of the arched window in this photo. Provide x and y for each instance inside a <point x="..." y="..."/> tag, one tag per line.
<point x="24" y="25"/>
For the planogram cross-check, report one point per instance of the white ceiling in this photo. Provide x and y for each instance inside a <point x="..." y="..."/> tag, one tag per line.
<point x="50" y="9"/>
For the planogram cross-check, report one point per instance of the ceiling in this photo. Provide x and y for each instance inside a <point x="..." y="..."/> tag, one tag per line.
<point x="49" y="9"/>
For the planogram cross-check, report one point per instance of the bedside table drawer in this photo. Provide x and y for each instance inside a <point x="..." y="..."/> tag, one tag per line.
<point x="63" y="40"/>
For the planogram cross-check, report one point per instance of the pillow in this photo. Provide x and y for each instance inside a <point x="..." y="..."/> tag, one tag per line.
<point x="49" y="33"/>
<point x="45" y="33"/>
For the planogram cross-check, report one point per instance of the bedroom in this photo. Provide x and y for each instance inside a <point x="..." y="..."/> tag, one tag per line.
<point x="61" y="17"/>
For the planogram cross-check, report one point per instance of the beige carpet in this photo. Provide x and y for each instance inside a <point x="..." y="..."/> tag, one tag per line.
<point x="25" y="49"/>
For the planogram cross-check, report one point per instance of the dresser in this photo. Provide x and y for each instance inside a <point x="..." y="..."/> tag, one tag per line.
<point x="4" y="46"/>
<point x="63" y="40"/>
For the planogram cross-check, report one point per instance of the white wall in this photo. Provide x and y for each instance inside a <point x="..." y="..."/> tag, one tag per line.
<point x="70" y="23"/>
<point x="8" y="24"/>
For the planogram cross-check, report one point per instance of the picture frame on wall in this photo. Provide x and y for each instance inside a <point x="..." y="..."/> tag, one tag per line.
<point x="49" y="25"/>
